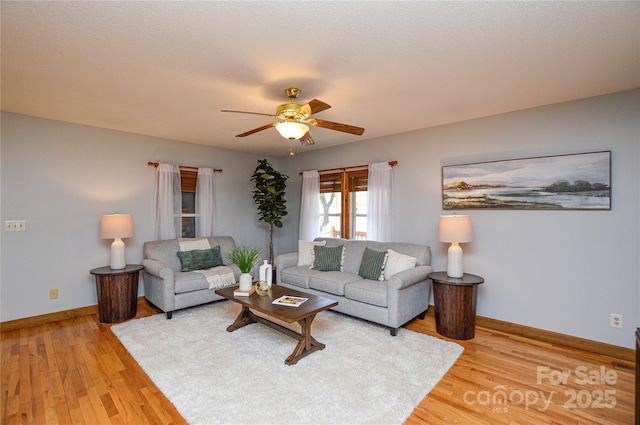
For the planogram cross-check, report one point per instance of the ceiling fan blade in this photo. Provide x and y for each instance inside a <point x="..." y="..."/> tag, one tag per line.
<point x="337" y="126"/>
<point x="255" y="130"/>
<point x="313" y="107"/>
<point x="307" y="140"/>
<point x="252" y="113"/>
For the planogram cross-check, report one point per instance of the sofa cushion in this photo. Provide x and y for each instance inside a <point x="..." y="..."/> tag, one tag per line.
<point x="305" y="251"/>
<point x="422" y="253"/>
<point x="165" y="251"/>
<point x="368" y="291"/>
<point x="355" y="248"/>
<point x="397" y="263"/>
<point x="200" y="259"/>
<point x="189" y="281"/>
<point x="372" y="265"/>
<point x="328" y="259"/>
<point x="332" y="282"/>
<point x="189" y="244"/>
<point x="298" y="276"/>
<point x="353" y="251"/>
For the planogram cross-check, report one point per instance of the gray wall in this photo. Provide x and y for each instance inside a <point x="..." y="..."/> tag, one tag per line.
<point x="563" y="271"/>
<point x="61" y="178"/>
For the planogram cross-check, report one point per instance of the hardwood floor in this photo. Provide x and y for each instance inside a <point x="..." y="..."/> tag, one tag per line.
<point x="75" y="371"/>
<point x="506" y="379"/>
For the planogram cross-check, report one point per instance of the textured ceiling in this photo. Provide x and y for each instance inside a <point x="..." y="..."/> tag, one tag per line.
<point x="166" y="69"/>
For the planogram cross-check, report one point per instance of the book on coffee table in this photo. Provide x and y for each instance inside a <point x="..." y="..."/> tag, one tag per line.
<point x="239" y="293"/>
<point x="290" y="301"/>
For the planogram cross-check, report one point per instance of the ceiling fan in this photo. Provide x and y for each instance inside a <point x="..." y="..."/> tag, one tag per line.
<point x="295" y="120"/>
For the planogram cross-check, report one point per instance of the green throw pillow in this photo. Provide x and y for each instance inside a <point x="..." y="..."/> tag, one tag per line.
<point x="372" y="265"/>
<point x="200" y="259"/>
<point x="328" y="258"/>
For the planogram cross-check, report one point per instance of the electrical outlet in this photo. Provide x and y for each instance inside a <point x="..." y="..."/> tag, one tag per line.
<point x="15" y="225"/>
<point x="616" y="320"/>
<point x="53" y="294"/>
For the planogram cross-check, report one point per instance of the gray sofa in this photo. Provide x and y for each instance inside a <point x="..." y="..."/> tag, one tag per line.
<point x="392" y="303"/>
<point x="167" y="287"/>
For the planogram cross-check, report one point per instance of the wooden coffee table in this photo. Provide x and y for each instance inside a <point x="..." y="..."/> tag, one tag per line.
<point x="303" y="314"/>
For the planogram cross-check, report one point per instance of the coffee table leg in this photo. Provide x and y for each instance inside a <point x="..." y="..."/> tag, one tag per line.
<point x="306" y="344"/>
<point x="244" y="318"/>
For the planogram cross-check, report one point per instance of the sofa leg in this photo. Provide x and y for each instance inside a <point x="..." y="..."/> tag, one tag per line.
<point x="394" y="331"/>
<point x="169" y="314"/>
<point x="422" y="315"/>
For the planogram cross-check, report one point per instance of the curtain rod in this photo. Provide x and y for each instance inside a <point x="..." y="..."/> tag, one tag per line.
<point x="184" y="167"/>
<point x="392" y="163"/>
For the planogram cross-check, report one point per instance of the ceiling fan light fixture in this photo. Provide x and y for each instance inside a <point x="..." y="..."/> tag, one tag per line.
<point x="291" y="130"/>
<point x="296" y="119"/>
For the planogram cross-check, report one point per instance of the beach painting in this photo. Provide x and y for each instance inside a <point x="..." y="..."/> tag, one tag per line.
<point x="562" y="182"/>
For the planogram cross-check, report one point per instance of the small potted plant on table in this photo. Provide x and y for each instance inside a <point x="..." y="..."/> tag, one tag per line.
<point x="246" y="259"/>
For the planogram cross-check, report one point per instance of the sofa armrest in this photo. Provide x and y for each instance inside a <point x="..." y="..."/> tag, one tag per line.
<point x="159" y="285"/>
<point x="158" y="269"/>
<point x="409" y="277"/>
<point x="284" y="261"/>
<point x="409" y="293"/>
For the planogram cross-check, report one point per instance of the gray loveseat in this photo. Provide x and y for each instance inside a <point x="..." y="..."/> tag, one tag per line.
<point x="167" y="287"/>
<point x="391" y="302"/>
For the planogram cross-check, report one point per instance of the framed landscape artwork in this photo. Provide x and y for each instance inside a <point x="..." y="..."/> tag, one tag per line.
<point x="563" y="182"/>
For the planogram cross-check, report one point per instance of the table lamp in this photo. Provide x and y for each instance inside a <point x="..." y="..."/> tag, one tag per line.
<point x="117" y="226"/>
<point x="455" y="229"/>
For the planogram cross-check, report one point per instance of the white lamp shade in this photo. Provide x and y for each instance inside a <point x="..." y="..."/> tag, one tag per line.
<point x="116" y="226"/>
<point x="291" y="129"/>
<point x="455" y="228"/>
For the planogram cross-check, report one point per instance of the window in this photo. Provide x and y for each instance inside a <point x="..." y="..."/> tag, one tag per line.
<point x="185" y="202"/>
<point x="343" y="204"/>
<point x="188" y="181"/>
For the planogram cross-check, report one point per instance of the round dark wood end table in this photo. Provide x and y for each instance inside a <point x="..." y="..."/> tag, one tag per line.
<point x="117" y="292"/>
<point x="455" y="303"/>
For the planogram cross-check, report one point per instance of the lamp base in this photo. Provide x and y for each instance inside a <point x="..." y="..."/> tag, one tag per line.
<point x="454" y="261"/>
<point x="117" y="255"/>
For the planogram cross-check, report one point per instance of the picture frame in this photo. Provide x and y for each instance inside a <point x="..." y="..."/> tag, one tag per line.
<point x="580" y="181"/>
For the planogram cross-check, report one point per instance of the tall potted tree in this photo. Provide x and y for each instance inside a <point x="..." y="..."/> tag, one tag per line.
<point x="268" y="195"/>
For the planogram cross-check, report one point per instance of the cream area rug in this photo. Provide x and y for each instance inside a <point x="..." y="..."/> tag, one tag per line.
<point x="363" y="376"/>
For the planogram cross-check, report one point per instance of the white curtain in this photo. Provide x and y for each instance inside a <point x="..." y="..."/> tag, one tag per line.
<point x="168" y="202"/>
<point x="310" y="206"/>
<point x="205" y="203"/>
<point x="380" y="203"/>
